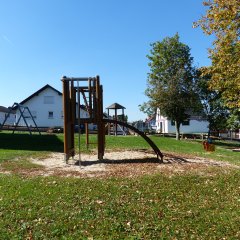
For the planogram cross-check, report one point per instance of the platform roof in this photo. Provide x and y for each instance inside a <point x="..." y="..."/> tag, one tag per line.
<point x="115" y="106"/>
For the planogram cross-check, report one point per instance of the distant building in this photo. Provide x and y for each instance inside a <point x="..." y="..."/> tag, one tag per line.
<point x="45" y="106"/>
<point x="194" y="124"/>
<point x="3" y="113"/>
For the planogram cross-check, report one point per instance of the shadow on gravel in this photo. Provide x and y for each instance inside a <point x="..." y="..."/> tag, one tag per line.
<point x="174" y="159"/>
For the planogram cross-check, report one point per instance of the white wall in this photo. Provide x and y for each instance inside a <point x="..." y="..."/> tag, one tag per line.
<point x="40" y="109"/>
<point x="10" y="120"/>
<point x="161" y="123"/>
<point x="40" y="106"/>
<point x="196" y="126"/>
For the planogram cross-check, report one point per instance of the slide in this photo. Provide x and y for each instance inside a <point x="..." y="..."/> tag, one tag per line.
<point x="147" y="139"/>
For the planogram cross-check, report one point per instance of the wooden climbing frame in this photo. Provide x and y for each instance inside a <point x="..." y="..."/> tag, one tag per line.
<point x="91" y="92"/>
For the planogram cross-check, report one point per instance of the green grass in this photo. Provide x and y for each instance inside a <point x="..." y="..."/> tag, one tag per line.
<point x="195" y="148"/>
<point x="20" y="146"/>
<point x="22" y="164"/>
<point x="150" y="207"/>
<point x="23" y="145"/>
<point x="180" y="206"/>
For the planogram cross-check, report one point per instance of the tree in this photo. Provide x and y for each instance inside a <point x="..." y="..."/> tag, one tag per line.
<point x="147" y="108"/>
<point x="233" y="122"/>
<point x="222" y="19"/>
<point x="212" y="103"/>
<point x="170" y="83"/>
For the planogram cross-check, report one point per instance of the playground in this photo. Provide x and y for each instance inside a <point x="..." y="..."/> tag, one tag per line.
<point x="43" y="196"/>
<point x="87" y="186"/>
<point x="105" y="154"/>
<point x="125" y="156"/>
<point x="89" y="91"/>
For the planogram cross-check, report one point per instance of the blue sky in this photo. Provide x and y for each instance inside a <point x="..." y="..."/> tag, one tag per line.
<point x="42" y="40"/>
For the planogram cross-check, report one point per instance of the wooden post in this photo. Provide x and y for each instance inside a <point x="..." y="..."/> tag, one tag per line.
<point x="94" y="89"/>
<point x="66" y="117"/>
<point x="72" y="115"/>
<point x="123" y="119"/>
<point x="115" y="122"/>
<point x="90" y="97"/>
<point x="99" y="119"/>
<point x="87" y="136"/>
<point x="109" y="126"/>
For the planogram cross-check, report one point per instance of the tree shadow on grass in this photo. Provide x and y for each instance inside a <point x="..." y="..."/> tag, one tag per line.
<point x="227" y="144"/>
<point x="31" y="142"/>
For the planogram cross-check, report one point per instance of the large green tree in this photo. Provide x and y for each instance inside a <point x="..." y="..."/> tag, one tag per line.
<point x="212" y="104"/>
<point x="170" y="83"/>
<point x="222" y="19"/>
<point x="233" y="122"/>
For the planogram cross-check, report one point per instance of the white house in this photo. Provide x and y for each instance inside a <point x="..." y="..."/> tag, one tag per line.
<point x="45" y="106"/>
<point x="3" y="113"/>
<point x="195" y="124"/>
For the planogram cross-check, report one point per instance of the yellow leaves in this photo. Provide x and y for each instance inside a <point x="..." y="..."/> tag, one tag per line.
<point x="129" y="224"/>
<point x="206" y="3"/>
<point x="100" y="202"/>
<point x="222" y="19"/>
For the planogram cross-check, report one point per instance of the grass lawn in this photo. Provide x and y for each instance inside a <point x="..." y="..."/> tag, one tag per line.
<point x="180" y="206"/>
<point x="21" y="145"/>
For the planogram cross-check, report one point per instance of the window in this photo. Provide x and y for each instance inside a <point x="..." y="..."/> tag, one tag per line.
<point x="50" y="114"/>
<point x="186" y="122"/>
<point x="48" y="99"/>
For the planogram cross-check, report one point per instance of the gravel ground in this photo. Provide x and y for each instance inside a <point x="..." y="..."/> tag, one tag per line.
<point x="124" y="164"/>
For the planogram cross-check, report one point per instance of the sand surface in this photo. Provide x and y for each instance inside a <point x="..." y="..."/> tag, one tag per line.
<point x="119" y="164"/>
<point x="124" y="164"/>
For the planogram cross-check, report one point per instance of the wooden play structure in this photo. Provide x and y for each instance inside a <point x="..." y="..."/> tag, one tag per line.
<point x="114" y="128"/>
<point x="88" y="91"/>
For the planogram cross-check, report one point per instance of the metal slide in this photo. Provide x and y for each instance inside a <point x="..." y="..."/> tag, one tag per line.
<point x="147" y="139"/>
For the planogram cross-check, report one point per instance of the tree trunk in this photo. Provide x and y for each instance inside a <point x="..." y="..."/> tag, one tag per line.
<point x="209" y="127"/>
<point x="177" y="125"/>
<point x="209" y="133"/>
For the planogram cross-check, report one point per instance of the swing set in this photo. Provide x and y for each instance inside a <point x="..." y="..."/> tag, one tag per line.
<point x="24" y="114"/>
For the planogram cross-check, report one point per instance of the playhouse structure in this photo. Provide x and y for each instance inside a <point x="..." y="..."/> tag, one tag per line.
<point x="88" y="91"/>
<point x="115" y="129"/>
